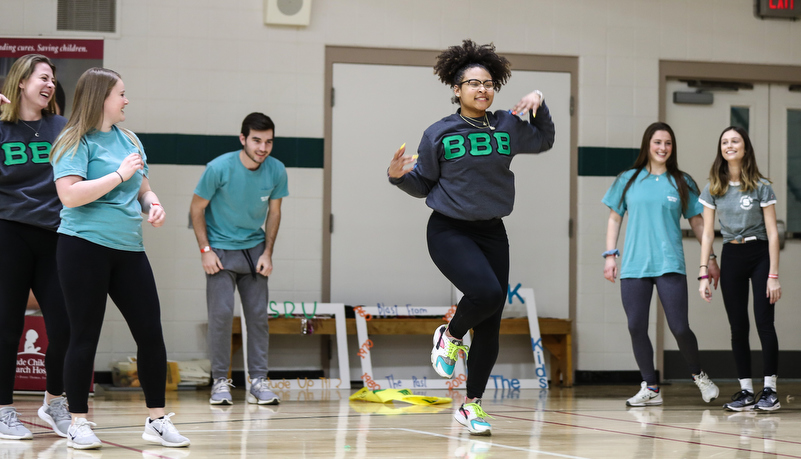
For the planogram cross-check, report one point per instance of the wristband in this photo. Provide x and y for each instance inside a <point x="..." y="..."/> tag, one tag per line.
<point x="614" y="252"/>
<point x="704" y="266"/>
<point x="703" y="277"/>
<point x="122" y="180"/>
<point x="712" y="256"/>
<point x="773" y="276"/>
<point x="155" y="204"/>
<point x="206" y="249"/>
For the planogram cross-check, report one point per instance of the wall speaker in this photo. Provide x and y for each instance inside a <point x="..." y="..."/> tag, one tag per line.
<point x="287" y="12"/>
<point x="695" y="98"/>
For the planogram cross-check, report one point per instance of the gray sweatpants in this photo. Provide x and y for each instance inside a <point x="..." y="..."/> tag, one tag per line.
<point x="253" y="292"/>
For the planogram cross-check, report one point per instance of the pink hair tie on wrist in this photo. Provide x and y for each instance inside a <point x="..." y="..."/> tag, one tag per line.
<point x="703" y="277"/>
<point x="773" y="276"/>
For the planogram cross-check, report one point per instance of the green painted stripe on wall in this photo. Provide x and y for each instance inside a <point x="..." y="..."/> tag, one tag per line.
<point x="604" y="161"/>
<point x="197" y="150"/>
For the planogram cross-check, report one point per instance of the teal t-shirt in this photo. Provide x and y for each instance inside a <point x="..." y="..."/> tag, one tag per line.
<point x="115" y="219"/>
<point x="653" y="244"/>
<point x="239" y="199"/>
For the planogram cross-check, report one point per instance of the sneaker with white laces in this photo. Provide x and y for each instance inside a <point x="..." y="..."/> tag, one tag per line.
<point x="768" y="400"/>
<point x="261" y="394"/>
<point x="741" y="401"/>
<point x="709" y="391"/>
<point x="446" y="352"/>
<point x="220" y="392"/>
<point x="645" y="397"/>
<point x="472" y="416"/>
<point x="80" y="435"/>
<point x="163" y="431"/>
<point x="57" y="415"/>
<point x="10" y="427"/>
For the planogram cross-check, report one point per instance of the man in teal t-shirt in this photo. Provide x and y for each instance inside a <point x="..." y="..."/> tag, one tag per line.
<point x="237" y="193"/>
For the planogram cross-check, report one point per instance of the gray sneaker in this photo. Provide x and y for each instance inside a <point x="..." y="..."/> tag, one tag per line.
<point x="10" y="427"/>
<point x="163" y="431"/>
<point x="768" y="400"/>
<point x="261" y="394"/>
<point x="220" y="392"/>
<point x="741" y="401"/>
<point x="57" y="415"/>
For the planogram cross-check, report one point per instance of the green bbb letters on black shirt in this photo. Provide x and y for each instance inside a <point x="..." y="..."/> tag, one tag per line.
<point x="27" y="192"/>
<point x="463" y="171"/>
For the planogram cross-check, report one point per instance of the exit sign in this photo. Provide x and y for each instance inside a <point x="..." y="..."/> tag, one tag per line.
<point x="780" y="9"/>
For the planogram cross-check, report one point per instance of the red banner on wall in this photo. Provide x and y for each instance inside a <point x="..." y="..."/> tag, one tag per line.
<point x="31" y="374"/>
<point x="54" y="48"/>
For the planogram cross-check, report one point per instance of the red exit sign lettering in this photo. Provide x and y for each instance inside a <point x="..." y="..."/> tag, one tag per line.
<point x="780" y="9"/>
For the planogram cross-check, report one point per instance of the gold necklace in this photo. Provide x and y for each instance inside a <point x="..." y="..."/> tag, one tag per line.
<point x="35" y="131"/>
<point x="477" y="126"/>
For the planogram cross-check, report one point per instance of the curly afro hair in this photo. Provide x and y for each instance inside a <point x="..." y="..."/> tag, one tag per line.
<point x="454" y="61"/>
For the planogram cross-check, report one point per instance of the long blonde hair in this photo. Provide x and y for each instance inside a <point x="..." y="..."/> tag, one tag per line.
<point x="21" y="70"/>
<point x="719" y="176"/>
<point x="91" y="92"/>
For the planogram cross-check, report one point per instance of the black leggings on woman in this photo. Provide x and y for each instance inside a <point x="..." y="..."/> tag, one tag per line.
<point x="740" y="263"/>
<point x="672" y="290"/>
<point x="29" y="263"/>
<point x="474" y="256"/>
<point x="88" y="273"/>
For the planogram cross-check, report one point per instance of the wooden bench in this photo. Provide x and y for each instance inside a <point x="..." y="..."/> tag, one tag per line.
<point x="556" y="335"/>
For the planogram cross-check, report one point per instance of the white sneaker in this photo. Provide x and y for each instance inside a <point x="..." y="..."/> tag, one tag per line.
<point x="57" y="415"/>
<point x="472" y="416"/>
<point x="80" y="435"/>
<point x="709" y="391"/>
<point x="645" y="397"/>
<point x="163" y="432"/>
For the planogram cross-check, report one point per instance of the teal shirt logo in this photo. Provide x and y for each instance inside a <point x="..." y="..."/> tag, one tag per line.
<point x="480" y="143"/>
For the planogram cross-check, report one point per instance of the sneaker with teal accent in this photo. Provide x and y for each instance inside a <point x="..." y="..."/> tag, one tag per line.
<point x="472" y="416"/>
<point x="446" y="352"/>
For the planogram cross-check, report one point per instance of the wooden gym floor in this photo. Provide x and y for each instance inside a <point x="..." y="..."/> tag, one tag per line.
<point x="579" y="422"/>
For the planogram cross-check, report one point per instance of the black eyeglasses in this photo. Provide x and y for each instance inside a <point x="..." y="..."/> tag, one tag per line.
<point x="489" y="85"/>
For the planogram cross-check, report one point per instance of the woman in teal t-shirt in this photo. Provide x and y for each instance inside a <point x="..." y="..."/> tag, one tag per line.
<point x="656" y="194"/>
<point x="101" y="179"/>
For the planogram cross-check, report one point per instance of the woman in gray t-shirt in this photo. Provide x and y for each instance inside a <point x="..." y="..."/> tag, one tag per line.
<point x="745" y="205"/>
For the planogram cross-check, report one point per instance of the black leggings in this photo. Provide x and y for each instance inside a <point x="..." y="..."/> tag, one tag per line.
<point x="740" y="263"/>
<point x="474" y="256"/>
<point x="29" y="262"/>
<point x="672" y="290"/>
<point x="88" y="273"/>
